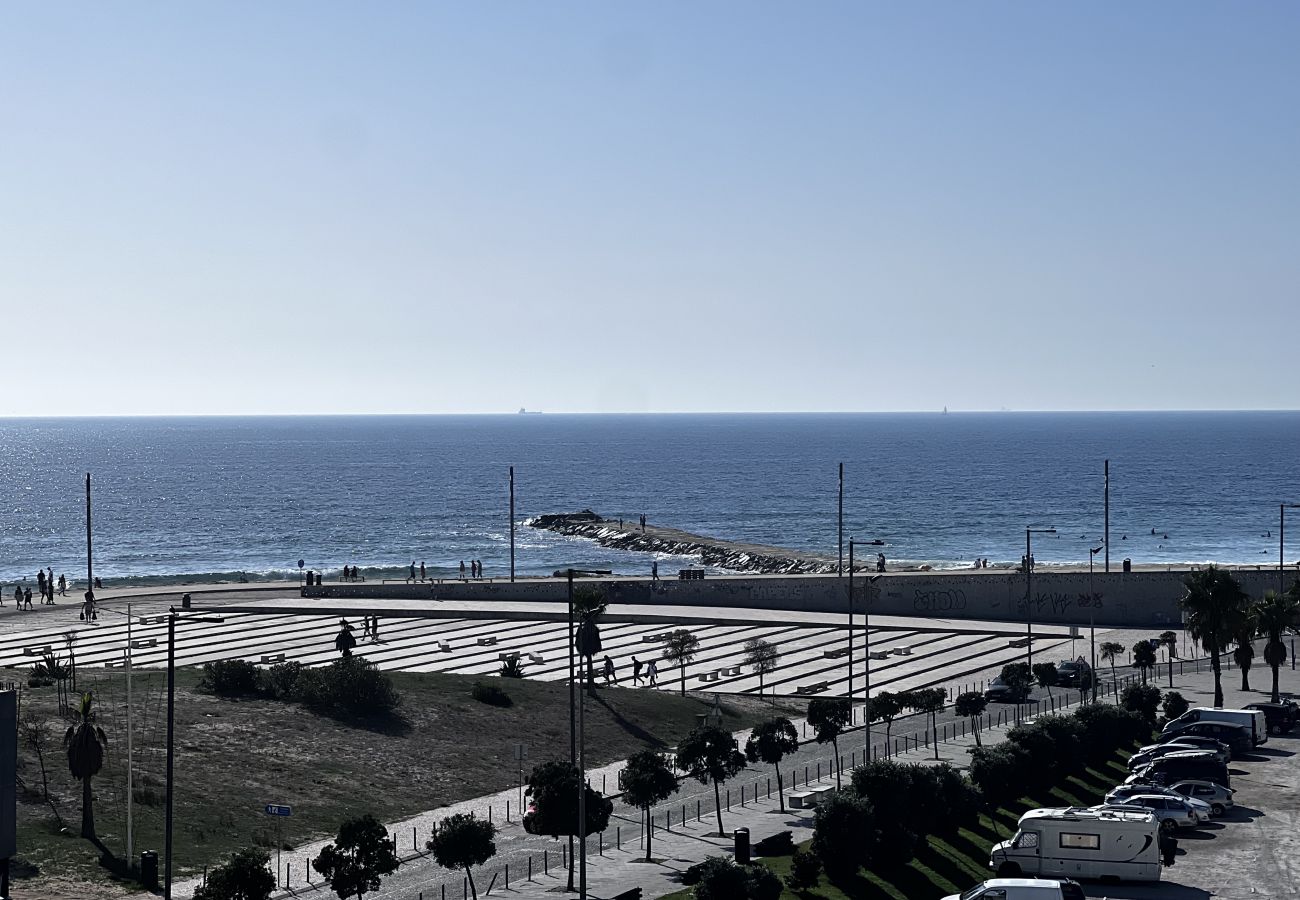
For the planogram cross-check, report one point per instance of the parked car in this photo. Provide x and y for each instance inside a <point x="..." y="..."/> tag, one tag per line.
<point x="1238" y="738"/>
<point x="1281" y="717"/>
<point x="1216" y="795"/>
<point x="1153" y="752"/>
<point x="1122" y="792"/>
<point x="1253" y="719"/>
<point x="1172" y="812"/>
<point x="1195" y="765"/>
<point x="1209" y="744"/>
<point x="1073" y="673"/>
<point x="1022" y="889"/>
<point x="1001" y="692"/>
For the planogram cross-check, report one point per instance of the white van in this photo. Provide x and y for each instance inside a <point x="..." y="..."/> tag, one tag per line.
<point x="1081" y="843"/>
<point x="1252" y="720"/>
<point x="1012" y="889"/>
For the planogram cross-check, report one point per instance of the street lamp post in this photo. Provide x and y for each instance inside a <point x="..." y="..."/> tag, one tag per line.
<point x="1092" y="623"/>
<point x="1281" y="544"/>
<point x="1029" y="592"/>
<point x="851" y="624"/>
<point x="866" y="670"/>
<point x="172" y="618"/>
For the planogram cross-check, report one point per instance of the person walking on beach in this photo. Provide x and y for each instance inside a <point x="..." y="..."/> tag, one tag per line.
<point x="18" y="595"/>
<point x="63" y="585"/>
<point x="27" y="599"/>
<point x="636" y="670"/>
<point x="40" y="583"/>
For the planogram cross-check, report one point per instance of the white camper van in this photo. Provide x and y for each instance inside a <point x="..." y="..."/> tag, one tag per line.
<point x="1252" y="720"/>
<point x="1081" y="843"/>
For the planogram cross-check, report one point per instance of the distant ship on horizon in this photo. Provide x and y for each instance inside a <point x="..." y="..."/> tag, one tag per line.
<point x="529" y="412"/>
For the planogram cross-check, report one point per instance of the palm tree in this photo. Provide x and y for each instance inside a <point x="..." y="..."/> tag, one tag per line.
<point x="1111" y="651"/>
<point x="1215" y="606"/>
<point x="1244" y="654"/>
<point x="1274" y="614"/>
<point x="1144" y="658"/>
<point x="86" y="743"/>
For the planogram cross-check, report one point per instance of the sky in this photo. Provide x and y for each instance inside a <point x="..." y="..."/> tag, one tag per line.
<point x="315" y="207"/>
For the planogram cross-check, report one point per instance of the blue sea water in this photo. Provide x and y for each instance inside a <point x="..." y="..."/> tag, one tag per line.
<point x="201" y="497"/>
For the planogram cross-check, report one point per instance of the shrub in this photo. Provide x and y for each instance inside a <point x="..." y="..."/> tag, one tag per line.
<point x="999" y="773"/>
<point x="1174" y="705"/>
<point x="1142" y="699"/>
<point x="762" y="883"/>
<point x="349" y="686"/>
<point x="490" y="694"/>
<point x="720" y="878"/>
<point x="844" y="832"/>
<point x="245" y="876"/>
<point x="959" y="801"/>
<point x="281" y="680"/>
<point x="511" y="668"/>
<point x="1107" y="728"/>
<point x="230" y="678"/>
<point x="1019" y="680"/>
<point x="805" y="871"/>
<point x="905" y="789"/>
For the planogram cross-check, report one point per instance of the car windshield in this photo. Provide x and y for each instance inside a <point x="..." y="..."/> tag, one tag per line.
<point x="972" y="893"/>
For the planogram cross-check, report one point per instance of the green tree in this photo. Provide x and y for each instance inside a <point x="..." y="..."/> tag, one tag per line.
<point x="1215" y="606"/>
<point x="1111" y="651"/>
<point x="1170" y="641"/>
<point x="844" y="833"/>
<point x="1173" y="705"/>
<point x="999" y="772"/>
<point x="1274" y="614"/>
<point x="245" y="876"/>
<point x="1142" y="699"/>
<point x="1018" y="677"/>
<point x="886" y="707"/>
<point x="772" y="741"/>
<point x="761" y="656"/>
<point x="680" y="647"/>
<point x="829" y="716"/>
<point x="647" y="780"/>
<point x="86" y="744"/>
<point x="1144" y="658"/>
<point x="588" y="604"/>
<point x="929" y="702"/>
<point x="359" y="857"/>
<point x="553" y="785"/>
<point x="463" y="841"/>
<point x="711" y="754"/>
<point x="1046" y="676"/>
<point x="972" y="705"/>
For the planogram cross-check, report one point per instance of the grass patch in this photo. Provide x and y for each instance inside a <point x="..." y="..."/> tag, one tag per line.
<point x="234" y="756"/>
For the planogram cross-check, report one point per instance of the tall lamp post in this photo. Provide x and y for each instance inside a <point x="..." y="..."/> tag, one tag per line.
<point x="1281" y="544"/>
<point x="839" y="569"/>
<point x="1092" y="622"/>
<point x="851" y="542"/>
<point x="866" y="669"/>
<point x="1029" y="591"/>
<point x="172" y="618"/>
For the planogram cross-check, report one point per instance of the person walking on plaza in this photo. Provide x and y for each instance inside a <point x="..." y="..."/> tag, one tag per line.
<point x="27" y="599"/>
<point x="636" y="670"/>
<point x="365" y="626"/>
<point x="609" y="671"/>
<point x="374" y="629"/>
<point x="652" y="673"/>
<point x="345" y="640"/>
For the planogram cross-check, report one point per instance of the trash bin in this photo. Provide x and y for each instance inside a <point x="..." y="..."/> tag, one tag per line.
<point x="185" y="602"/>
<point x="149" y="869"/>
<point x="1128" y="564"/>
<point x="742" y="846"/>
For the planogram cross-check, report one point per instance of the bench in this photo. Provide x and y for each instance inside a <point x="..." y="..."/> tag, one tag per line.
<point x="537" y="658"/>
<point x="835" y="654"/>
<point x="690" y="575"/>
<point x="902" y="651"/>
<point x="141" y="643"/>
<point x="801" y="799"/>
<point x="37" y="651"/>
<point x="816" y="688"/>
<point x="269" y="658"/>
<point x="1018" y="642"/>
<point x="509" y="655"/>
<point x="732" y="671"/>
<point x="878" y="654"/>
<point x="487" y="641"/>
<point x="444" y="647"/>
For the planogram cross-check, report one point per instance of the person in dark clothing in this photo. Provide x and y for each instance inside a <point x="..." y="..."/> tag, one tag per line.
<point x="345" y="640"/>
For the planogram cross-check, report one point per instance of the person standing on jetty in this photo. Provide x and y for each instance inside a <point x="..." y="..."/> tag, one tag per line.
<point x="462" y="570"/>
<point x="422" y="570"/>
<point x="654" y="570"/>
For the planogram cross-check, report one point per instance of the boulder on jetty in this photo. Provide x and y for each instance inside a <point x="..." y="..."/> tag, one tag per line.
<point x="718" y="554"/>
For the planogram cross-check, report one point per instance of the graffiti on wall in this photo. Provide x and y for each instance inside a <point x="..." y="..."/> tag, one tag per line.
<point x="947" y="600"/>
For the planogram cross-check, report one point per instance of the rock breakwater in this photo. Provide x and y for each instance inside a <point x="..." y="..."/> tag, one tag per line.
<point x="718" y="554"/>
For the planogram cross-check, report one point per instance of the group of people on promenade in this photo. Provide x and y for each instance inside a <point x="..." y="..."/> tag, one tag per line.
<point x="350" y="573"/>
<point x="346" y="639"/>
<point x="475" y="569"/>
<point x="45" y="585"/>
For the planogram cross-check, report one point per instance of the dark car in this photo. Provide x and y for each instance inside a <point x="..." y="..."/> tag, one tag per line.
<point x="1001" y="692"/>
<point x="1073" y="673"/>
<point x="1193" y="765"/>
<point x="1281" y="717"/>
<point x="1072" y="890"/>
<point x="1237" y="737"/>
<point x="1213" y="745"/>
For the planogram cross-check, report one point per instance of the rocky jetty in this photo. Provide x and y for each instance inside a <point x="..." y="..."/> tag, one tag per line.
<point x="710" y="552"/>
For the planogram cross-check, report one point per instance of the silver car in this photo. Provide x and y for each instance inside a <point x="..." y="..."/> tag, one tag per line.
<point x="1121" y="793"/>
<point x="1172" y="812"/>
<point x="1153" y="752"/>
<point x="1217" y="796"/>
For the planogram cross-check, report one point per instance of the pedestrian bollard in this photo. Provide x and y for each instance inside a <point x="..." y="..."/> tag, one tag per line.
<point x="683" y="819"/>
<point x="769" y="787"/>
<point x="805" y="776"/>
<point x="530" y="867"/>
<point x="546" y="865"/>
<point x="415" y="839"/>
<point x="602" y="783"/>
<point x="853" y="759"/>
<point x="444" y="891"/>
<point x="742" y="796"/>
<point x="507" y="887"/>
<point x="697" y="810"/>
<point x="668" y="820"/>
<point x="618" y="836"/>
<point x="507" y="810"/>
<point x="464" y="888"/>
<point x="819" y="770"/>
<point x="489" y="813"/>
<point x="728" y="799"/>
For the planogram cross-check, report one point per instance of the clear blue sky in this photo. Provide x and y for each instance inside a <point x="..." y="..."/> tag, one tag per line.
<point x="328" y="207"/>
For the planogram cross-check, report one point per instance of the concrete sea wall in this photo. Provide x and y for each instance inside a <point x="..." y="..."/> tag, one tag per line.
<point x="1135" y="599"/>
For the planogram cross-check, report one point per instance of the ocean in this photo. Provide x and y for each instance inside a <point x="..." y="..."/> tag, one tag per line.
<point x="206" y="498"/>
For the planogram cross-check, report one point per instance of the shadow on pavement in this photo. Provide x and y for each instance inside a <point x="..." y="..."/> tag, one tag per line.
<point x="1167" y="889"/>
<point x="1240" y="813"/>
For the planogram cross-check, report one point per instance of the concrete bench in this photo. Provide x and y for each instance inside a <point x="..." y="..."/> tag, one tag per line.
<point x="486" y="641"/>
<point x="812" y="688"/>
<point x="509" y="655"/>
<point x="1018" y="642"/>
<point x="690" y="575"/>
<point x="537" y="658"/>
<point x="801" y="799"/>
<point x="879" y="654"/>
<point x="444" y="647"/>
<point x="835" y="654"/>
<point x="732" y="671"/>
<point x="655" y="638"/>
<point x="902" y="651"/>
<point x="822" y="791"/>
<point x="37" y="651"/>
<point x="141" y="643"/>
<point x="270" y="658"/>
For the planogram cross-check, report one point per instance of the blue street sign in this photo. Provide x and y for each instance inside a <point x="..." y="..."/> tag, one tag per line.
<point x="273" y="810"/>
